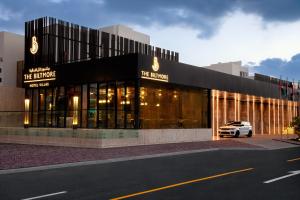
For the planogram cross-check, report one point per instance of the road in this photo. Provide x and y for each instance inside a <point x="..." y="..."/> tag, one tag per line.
<point x="226" y="174"/>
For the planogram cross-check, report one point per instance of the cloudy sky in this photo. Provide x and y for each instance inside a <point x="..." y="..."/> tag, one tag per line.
<point x="263" y="34"/>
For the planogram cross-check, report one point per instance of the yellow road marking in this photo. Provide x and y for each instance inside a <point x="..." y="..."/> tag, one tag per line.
<point x="292" y="160"/>
<point x="182" y="183"/>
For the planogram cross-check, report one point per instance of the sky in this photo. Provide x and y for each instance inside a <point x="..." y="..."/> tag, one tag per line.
<point x="263" y="34"/>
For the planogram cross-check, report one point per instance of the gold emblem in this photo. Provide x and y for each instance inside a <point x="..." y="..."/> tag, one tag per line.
<point x="155" y="65"/>
<point x="34" y="45"/>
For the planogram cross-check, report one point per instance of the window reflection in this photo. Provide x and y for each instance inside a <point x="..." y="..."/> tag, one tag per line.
<point x="173" y="107"/>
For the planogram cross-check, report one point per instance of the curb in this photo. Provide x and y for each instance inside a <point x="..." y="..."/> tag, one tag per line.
<point x="286" y="141"/>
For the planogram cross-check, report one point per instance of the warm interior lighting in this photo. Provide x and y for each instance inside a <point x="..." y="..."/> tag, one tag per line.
<point x="253" y="113"/>
<point x="274" y="117"/>
<point x="26" y="113"/>
<point x="269" y="115"/>
<point x="157" y="105"/>
<point x="225" y="107"/>
<point x="248" y="117"/>
<point x="238" y="106"/>
<point x="262" y="115"/>
<point x="75" y="112"/>
<point x="213" y="112"/>
<point x="217" y="123"/>
<point x="282" y="116"/>
<point x="278" y="120"/>
<point x="234" y="106"/>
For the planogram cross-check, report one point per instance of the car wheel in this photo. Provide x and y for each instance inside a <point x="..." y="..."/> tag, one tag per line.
<point x="237" y="134"/>
<point x="249" y="134"/>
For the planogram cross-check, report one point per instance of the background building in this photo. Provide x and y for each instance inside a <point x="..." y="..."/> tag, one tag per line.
<point x="11" y="92"/>
<point x="233" y="68"/>
<point x="11" y="51"/>
<point x="127" y="32"/>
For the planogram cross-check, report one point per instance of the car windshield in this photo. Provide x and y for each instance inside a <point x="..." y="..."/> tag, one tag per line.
<point x="234" y="124"/>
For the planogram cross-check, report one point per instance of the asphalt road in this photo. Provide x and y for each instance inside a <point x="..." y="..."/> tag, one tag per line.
<point x="227" y="174"/>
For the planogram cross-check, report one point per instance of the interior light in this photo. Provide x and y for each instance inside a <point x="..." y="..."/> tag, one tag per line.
<point x="75" y="112"/>
<point x="26" y="113"/>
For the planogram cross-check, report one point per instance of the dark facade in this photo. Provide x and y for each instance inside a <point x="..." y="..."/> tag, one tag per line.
<point x="121" y="83"/>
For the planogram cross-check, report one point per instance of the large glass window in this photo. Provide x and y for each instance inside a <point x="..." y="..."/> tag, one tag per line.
<point x="92" y="106"/>
<point x="42" y="108"/>
<point x="72" y="91"/>
<point x="60" y="107"/>
<point x="111" y="103"/>
<point x="129" y="106"/>
<point x="49" y="107"/>
<point x="173" y="107"/>
<point x="102" y="117"/>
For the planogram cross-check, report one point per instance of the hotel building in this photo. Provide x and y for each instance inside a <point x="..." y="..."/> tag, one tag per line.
<point x="83" y="78"/>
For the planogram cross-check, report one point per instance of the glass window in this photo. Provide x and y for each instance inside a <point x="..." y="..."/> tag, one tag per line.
<point x="92" y="106"/>
<point x="49" y="107"/>
<point x="84" y="107"/>
<point x="121" y="103"/>
<point x="60" y="107"/>
<point x="102" y="121"/>
<point x="163" y="106"/>
<point x="129" y="106"/>
<point x="42" y="108"/>
<point x="111" y="99"/>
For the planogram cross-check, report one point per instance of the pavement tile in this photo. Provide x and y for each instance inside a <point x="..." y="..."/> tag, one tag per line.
<point x="13" y="156"/>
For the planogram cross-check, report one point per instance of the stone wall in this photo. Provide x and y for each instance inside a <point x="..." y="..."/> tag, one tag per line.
<point x="101" y="138"/>
<point x="11" y="106"/>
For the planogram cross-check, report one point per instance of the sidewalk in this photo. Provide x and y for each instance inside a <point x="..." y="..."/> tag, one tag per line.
<point x="270" y="142"/>
<point x="14" y="156"/>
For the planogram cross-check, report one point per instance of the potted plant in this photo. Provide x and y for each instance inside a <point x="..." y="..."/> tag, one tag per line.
<point x="296" y="124"/>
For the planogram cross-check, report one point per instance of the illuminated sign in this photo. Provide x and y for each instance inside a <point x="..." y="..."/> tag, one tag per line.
<point x="34" y="46"/>
<point x="155" y="65"/>
<point x="39" y="77"/>
<point x="154" y="75"/>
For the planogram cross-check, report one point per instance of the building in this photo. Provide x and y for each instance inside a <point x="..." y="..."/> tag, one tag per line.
<point x="11" y="51"/>
<point x="233" y="68"/>
<point x="89" y="80"/>
<point x="127" y="32"/>
<point x="11" y="96"/>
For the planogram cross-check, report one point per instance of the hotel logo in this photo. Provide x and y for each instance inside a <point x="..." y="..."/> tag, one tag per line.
<point x="153" y="75"/>
<point x="155" y="65"/>
<point x="34" y="46"/>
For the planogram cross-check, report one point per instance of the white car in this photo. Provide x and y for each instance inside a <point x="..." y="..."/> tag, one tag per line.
<point x="236" y="129"/>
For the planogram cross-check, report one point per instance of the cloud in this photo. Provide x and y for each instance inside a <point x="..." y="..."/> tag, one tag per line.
<point x="205" y="16"/>
<point x="7" y="14"/>
<point x="272" y="10"/>
<point x="280" y="68"/>
<point x="57" y="1"/>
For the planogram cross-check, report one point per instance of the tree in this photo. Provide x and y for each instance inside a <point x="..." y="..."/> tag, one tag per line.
<point x="296" y="124"/>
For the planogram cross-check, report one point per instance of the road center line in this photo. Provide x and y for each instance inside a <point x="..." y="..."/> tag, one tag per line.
<point x="182" y="183"/>
<point x="292" y="160"/>
<point x="46" y="195"/>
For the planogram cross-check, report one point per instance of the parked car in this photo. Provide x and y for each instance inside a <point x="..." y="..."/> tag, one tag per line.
<point x="236" y="129"/>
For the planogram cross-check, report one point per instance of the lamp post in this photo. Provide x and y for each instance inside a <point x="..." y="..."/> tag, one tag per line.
<point x="26" y="113"/>
<point x="75" y="112"/>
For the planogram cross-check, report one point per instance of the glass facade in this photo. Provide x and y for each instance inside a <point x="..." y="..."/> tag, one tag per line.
<point x="113" y="105"/>
<point x="100" y="105"/>
<point x="167" y="106"/>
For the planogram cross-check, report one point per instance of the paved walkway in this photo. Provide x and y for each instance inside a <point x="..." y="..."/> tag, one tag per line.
<point x="269" y="141"/>
<point x="14" y="156"/>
